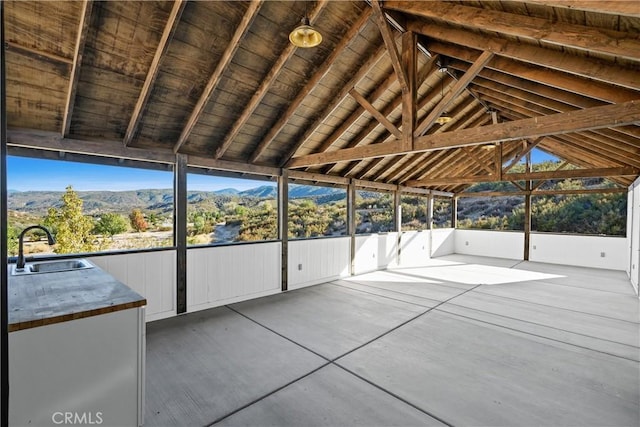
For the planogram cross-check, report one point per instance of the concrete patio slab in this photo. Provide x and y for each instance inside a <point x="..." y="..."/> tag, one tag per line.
<point x="204" y="365"/>
<point x="328" y="320"/>
<point x="471" y="373"/>
<point x="330" y="397"/>
<point x="584" y="300"/>
<point x="582" y="277"/>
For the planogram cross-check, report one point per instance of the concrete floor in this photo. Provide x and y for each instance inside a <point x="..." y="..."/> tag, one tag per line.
<point x="465" y="341"/>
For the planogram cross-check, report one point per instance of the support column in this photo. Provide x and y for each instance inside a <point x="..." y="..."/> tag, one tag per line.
<point x="283" y="222"/>
<point x="351" y="224"/>
<point x="4" y="330"/>
<point x="454" y="211"/>
<point x="430" y="222"/>
<point x="180" y="227"/>
<point x="397" y="221"/>
<point x="527" y="212"/>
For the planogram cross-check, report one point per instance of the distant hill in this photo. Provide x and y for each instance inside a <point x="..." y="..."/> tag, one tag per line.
<point x="155" y="200"/>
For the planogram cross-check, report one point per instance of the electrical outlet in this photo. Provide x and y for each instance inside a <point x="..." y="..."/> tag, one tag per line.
<point x="602" y="254"/>
<point x="534" y="247"/>
<point x="466" y="243"/>
<point x="299" y="267"/>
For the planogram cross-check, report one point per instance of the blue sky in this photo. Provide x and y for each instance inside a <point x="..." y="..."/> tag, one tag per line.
<point x="26" y="174"/>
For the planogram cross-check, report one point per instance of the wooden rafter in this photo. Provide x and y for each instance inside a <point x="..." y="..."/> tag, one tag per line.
<point x="615" y="7"/>
<point x="522" y="192"/>
<point x="382" y="119"/>
<point x="614" y="43"/>
<point x="409" y="64"/>
<point x="613" y="151"/>
<point x="36" y="53"/>
<point x="152" y="73"/>
<point x="221" y="67"/>
<point x="457" y="89"/>
<point x="390" y="43"/>
<point x="427" y="69"/>
<point x="309" y="86"/>
<point x="525" y="150"/>
<point x="581" y="66"/>
<point x="528" y="176"/>
<point x="414" y="160"/>
<point x="573" y="85"/>
<point x="265" y="86"/>
<point x="359" y="75"/>
<point x="591" y="118"/>
<point x="81" y="38"/>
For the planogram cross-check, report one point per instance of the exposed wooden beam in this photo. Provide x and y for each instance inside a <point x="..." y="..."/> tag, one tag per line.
<point x="390" y="43"/>
<point x="223" y="63"/>
<point x="309" y="86"/>
<point x="382" y="119"/>
<point x="388" y="109"/>
<point x="410" y="96"/>
<point x="591" y="68"/>
<point x="574" y="121"/>
<point x="81" y="38"/>
<point x="585" y="38"/>
<point x="264" y="87"/>
<point x="529" y="176"/>
<point x="35" y="53"/>
<point x="457" y="89"/>
<point x="526" y="150"/>
<point x="152" y="73"/>
<point x="336" y="101"/>
<point x="616" y="7"/>
<point x="544" y="192"/>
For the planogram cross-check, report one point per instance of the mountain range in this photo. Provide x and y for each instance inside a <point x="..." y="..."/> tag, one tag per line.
<point x="155" y="200"/>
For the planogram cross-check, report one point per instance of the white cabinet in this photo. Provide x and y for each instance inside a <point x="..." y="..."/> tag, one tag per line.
<point x="88" y="371"/>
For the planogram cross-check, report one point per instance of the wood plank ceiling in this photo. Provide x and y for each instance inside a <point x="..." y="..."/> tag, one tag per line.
<point x="219" y="80"/>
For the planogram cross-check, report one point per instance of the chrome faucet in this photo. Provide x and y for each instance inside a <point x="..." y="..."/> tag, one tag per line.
<point x="21" y="260"/>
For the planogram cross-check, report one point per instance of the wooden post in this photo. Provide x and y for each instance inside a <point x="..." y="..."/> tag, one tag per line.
<point x="4" y="320"/>
<point x="527" y="212"/>
<point x="397" y="216"/>
<point x="180" y="227"/>
<point x="283" y="221"/>
<point x="454" y="211"/>
<point x="351" y="223"/>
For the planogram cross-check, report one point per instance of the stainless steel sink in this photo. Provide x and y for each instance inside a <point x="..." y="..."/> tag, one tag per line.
<point x="52" y="266"/>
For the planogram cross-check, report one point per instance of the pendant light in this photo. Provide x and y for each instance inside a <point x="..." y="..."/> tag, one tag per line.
<point x="444" y="117"/>
<point x="304" y="35"/>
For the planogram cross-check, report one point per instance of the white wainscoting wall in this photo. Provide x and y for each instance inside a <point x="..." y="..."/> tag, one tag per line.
<point x="583" y="251"/>
<point x="498" y="244"/>
<point x="226" y="274"/>
<point x="414" y="248"/>
<point x="151" y="274"/>
<point x="442" y="241"/>
<point x="375" y="252"/>
<point x="314" y="261"/>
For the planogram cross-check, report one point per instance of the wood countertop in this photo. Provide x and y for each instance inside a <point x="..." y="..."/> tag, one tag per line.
<point x="46" y="298"/>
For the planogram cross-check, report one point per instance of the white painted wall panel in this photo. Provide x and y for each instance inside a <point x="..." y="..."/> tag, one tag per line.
<point x="316" y="261"/>
<point x="582" y="251"/>
<point x="498" y="244"/>
<point x="366" y="256"/>
<point x="151" y="274"/>
<point x="414" y="248"/>
<point x="442" y="241"/>
<point x="387" y="250"/>
<point x="222" y="275"/>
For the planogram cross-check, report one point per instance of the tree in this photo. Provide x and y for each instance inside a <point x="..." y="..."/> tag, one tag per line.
<point x="138" y="223"/>
<point x="71" y="228"/>
<point x="110" y="224"/>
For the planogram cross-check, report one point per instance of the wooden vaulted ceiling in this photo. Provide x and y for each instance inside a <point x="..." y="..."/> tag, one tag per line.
<point x="219" y="80"/>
